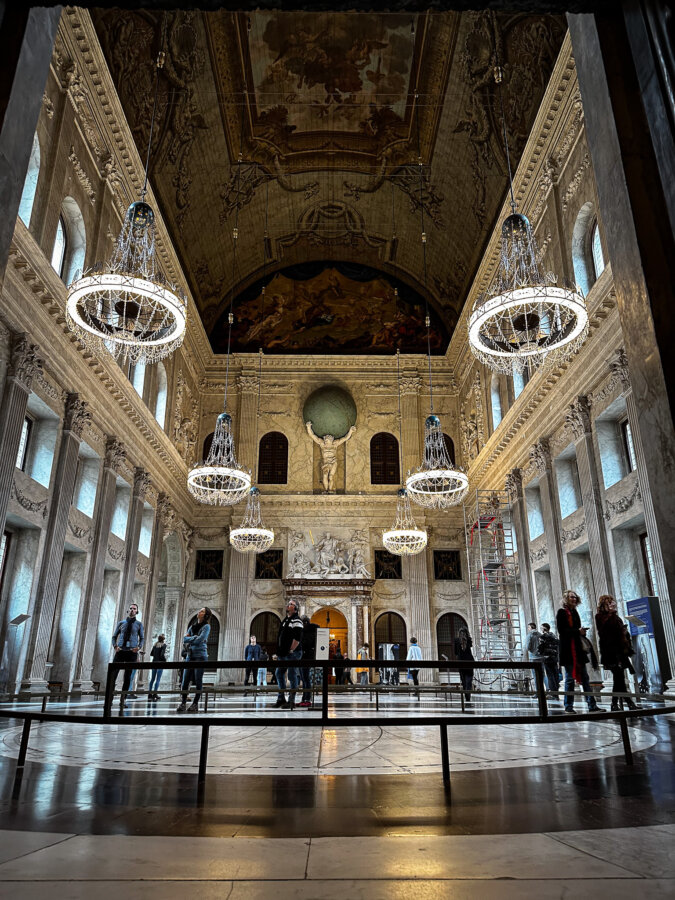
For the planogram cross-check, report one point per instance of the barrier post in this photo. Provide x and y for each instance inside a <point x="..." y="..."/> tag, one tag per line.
<point x="203" y="754"/>
<point x="111" y="677"/>
<point x="324" y="694"/>
<point x="625" y="737"/>
<point x="541" y="690"/>
<point x="23" y="747"/>
<point x="445" y="756"/>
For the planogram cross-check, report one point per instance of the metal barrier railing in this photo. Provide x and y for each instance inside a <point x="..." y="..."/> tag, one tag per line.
<point x="541" y="715"/>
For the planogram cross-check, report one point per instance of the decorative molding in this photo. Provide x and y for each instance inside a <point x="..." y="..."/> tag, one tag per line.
<point x="34" y="506"/>
<point x="115" y="454"/>
<point x="544" y="185"/>
<point x="410" y="385"/>
<point x="117" y="555"/>
<point x="537" y="555"/>
<point x="82" y="176"/>
<point x="618" y="366"/>
<point x="622" y="504"/>
<point x="331" y="222"/>
<point x="540" y="456"/>
<point x="207" y="598"/>
<point x="48" y="105"/>
<point x="142" y="569"/>
<point x="575" y="183"/>
<point x="247" y="384"/>
<point x="25" y="361"/>
<point x="82" y="534"/>
<point x="578" y="416"/>
<point x="48" y="388"/>
<point x="76" y="415"/>
<point x="200" y="535"/>
<point x="513" y="484"/>
<point x="573" y="534"/>
<point x="574" y="127"/>
<point x="142" y="482"/>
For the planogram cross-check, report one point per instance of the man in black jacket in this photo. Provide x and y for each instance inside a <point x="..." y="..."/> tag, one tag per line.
<point x="289" y="647"/>
<point x="548" y="649"/>
<point x="251" y="654"/>
<point x="308" y="652"/>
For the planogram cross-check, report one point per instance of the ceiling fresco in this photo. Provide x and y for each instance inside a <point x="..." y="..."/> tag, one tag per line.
<point x="317" y="308"/>
<point x="305" y="131"/>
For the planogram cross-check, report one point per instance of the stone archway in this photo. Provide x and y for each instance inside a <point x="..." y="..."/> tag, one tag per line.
<point x="338" y="626"/>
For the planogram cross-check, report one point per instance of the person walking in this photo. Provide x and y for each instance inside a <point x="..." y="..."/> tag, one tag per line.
<point x="615" y="649"/>
<point x="363" y="674"/>
<point x="261" y="678"/>
<point x="251" y="654"/>
<point x="289" y="647"/>
<point x="572" y="656"/>
<point x="463" y="652"/>
<point x="127" y="640"/>
<point x="194" y="646"/>
<point x="414" y="653"/>
<point x="158" y="655"/>
<point x="548" y="648"/>
<point x="308" y="652"/>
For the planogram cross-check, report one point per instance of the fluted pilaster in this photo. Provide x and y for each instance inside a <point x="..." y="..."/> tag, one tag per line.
<point x="237" y="598"/>
<point x="131" y="538"/>
<point x="514" y="487"/>
<point x="416" y="574"/>
<point x="540" y="456"/>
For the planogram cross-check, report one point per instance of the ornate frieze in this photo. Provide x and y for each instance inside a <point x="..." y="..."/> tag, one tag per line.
<point x="540" y="456"/>
<point x="25" y="361"/>
<point x="539" y="554"/>
<point x="34" y="506"/>
<point x="578" y="416"/>
<point x="575" y="183"/>
<point x="622" y="504"/>
<point x="117" y="555"/>
<point x="82" y="176"/>
<point x="569" y="536"/>
<point x="82" y="534"/>
<point x="48" y="105"/>
<point x="76" y="415"/>
<point x="565" y="145"/>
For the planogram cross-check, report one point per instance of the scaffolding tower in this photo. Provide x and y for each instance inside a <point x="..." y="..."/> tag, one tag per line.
<point x="493" y="583"/>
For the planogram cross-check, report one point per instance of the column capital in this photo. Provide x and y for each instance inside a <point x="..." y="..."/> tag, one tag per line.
<point x="165" y="512"/>
<point x="410" y="385"/>
<point x="115" y="454"/>
<point x="540" y="456"/>
<point x="514" y="483"/>
<point x="141" y="482"/>
<point x="618" y="366"/>
<point x="25" y="361"/>
<point x="247" y="384"/>
<point x="578" y="416"/>
<point x="77" y="416"/>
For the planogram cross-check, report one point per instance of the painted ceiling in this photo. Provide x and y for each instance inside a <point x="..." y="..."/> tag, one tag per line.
<point x="303" y="132"/>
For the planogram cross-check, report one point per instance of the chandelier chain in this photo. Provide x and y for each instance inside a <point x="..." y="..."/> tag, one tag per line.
<point x="159" y="64"/>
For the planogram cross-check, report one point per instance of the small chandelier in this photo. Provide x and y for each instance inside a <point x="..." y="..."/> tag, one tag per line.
<point x="252" y="536"/>
<point x="220" y="480"/>
<point x="437" y="483"/>
<point x="525" y="318"/>
<point x="125" y="306"/>
<point x="404" y="538"/>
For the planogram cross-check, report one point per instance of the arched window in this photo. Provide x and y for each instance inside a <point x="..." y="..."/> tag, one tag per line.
<point x="213" y="639"/>
<point x="30" y="184"/>
<point x="390" y="629"/>
<point x="496" y="401"/>
<point x="265" y="627"/>
<point x="160" y="399"/>
<point x="384" y="465"/>
<point x="596" y="251"/>
<point x="449" y="447"/>
<point x="447" y="629"/>
<point x="70" y="243"/>
<point x="273" y="458"/>
<point x="208" y="440"/>
<point x="59" y="249"/>
<point x="137" y="377"/>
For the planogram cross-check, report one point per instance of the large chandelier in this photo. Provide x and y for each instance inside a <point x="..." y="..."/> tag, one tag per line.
<point x="525" y="318"/>
<point x="437" y="483"/>
<point x="125" y="306"/>
<point x="252" y="536"/>
<point x="220" y="480"/>
<point x="404" y="538"/>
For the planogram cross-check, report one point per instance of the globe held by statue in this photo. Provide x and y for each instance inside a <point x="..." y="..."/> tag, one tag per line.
<point x="331" y="410"/>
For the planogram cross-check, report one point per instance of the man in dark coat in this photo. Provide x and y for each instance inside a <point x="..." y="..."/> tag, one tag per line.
<point x="289" y="647"/>
<point x="572" y="656"/>
<point x="251" y="654"/>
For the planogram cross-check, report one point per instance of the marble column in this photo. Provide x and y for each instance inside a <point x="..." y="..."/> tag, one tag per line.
<point x="579" y="420"/>
<point x="174" y="624"/>
<point x="514" y="487"/>
<point x="619" y="368"/>
<point x="357" y="620"/>
<point x="92" y="596"/>
<point x="162" y="514"/>
<point x="248" y="405"/>
<point x="624" y="64"/>
<point x="25" y="363"/>
<point x="411" y="451"/>
<point x="415" y="573"/>
<point x="540" y="456"/>
<point x="237" y="605"/>
<point x="26" y="44"/>
<point x="131" y="538"/>
<point x="44" y="608"/>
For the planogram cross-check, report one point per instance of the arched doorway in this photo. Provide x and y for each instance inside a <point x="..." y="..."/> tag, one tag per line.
<point x="213" y="641"/>
<point x="335" y="622"/>
<point x="447" y="629"/>
<point x="265" y="627"/>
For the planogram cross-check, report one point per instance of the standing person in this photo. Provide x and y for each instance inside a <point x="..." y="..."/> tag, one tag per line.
<point x="548" y="648"/>
<point x="127" y="640"/>
<point x="251" y="654"/>
<point x="289" y="647"/>
<point x="348" y="671"/>
<point x="572" y="655"/>
<point x="158" y="655"/>
<point x="615" y="649"/>
<point x="594" y="674"/>
<point x="261" y="678"/>
<point x="308" y="652"/>
<point x="463" y="651"/>
<point x="533" y="639"/>
<point x="194" y="644"/>
<point x="339" y="671"/>
<point x="414" y="653"/>
<point x="363" y="673"/>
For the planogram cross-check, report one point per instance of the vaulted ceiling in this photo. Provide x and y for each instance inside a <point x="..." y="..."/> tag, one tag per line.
<point x="304" y="131"/>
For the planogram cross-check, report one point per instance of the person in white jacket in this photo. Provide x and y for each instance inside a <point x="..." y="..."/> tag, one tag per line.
<point x="414" y="653"/>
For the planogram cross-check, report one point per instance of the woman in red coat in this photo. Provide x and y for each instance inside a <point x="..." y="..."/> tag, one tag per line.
<point x="615" y="648"/>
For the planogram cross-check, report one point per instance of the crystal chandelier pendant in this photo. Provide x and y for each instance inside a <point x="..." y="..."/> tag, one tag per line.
<point x="525" y="319"/>
<point x="437" y="483"/>
<point x="252" y="536"/>
<point x="220" y="480"/>
<point x="404" y="538"/>
<point x="126" y="307"/>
